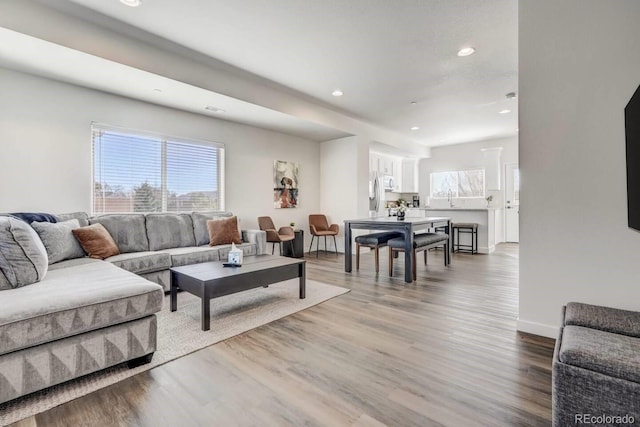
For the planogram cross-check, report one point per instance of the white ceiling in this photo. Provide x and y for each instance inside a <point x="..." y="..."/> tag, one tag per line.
<point x="382" y="53"/>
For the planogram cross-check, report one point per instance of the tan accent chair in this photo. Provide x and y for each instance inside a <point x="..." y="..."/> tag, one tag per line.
<point x="283" y="234"/>
<point x="319" y="226"/>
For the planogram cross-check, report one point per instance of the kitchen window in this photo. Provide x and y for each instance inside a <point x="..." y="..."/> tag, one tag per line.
<point x="143" y="172"/>
<point x="457" y="184"/>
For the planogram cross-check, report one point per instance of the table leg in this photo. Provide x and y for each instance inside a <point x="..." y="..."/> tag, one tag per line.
<point x="347" y="248"/>
<point x="303" y="281"/>
<point x="174" y="293"/>
<point x="450" y="248"/>
<point x="408" y="255"/>
<point x="206" y="313"/>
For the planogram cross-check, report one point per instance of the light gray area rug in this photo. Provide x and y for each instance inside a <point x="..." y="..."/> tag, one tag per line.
<point x="179" y="334"/>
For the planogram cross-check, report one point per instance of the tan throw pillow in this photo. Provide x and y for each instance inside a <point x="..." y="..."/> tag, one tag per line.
<point x="223" y="231"/>
<point x="96" y="241"/>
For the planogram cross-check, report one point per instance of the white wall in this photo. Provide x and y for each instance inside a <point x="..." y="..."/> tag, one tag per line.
<point x="345" y="180"/>
<point x="461" y="157"/>
<point x="579" y="65"/>
<point x="45" y="138"/>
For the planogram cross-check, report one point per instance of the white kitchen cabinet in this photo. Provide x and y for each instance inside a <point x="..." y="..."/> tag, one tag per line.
<point x="387" y="165"/>
<point x="397" y="175"/>
<point x="409" y="181"/>
<point x="374" y="162"/>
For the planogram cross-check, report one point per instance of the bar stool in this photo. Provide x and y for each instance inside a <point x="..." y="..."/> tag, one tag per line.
<point x="465" y="228"/>
<point x="374" y="241"/>
<point x="421" y="242"/>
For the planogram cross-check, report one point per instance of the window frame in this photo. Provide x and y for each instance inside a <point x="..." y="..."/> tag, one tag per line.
<point x="455" y="195"/>
<point x="162" y="139"/>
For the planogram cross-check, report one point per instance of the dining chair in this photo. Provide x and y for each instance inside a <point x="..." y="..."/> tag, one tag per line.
<point x="319" y="227"/>
<point x="283" y="234"/>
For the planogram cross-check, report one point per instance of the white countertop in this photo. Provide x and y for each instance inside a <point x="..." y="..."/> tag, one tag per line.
<point x="456" y="209"/>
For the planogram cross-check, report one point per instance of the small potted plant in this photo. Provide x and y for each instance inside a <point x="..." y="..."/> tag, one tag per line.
<point x="489" y="200"/>
<point x="402" y="209"/>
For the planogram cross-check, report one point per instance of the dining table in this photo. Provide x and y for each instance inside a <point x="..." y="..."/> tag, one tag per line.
<point x="406" y="226"/>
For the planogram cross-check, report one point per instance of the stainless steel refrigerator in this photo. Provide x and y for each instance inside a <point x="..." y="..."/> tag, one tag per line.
<point x="376" y="195"/>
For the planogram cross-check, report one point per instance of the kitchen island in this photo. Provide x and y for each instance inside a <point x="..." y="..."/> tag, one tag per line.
<point x="486" y="218"/>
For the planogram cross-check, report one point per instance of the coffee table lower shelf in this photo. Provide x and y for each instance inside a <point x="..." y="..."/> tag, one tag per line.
<point x="211" y="280"/>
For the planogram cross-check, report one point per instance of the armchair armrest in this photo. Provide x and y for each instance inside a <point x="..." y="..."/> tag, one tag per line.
<point x="258" y="237"/>
<point x="313" y="229"/>
<point x="334" y="227"/>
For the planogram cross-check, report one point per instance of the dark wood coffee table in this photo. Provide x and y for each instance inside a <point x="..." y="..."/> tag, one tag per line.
<point x="211" y="280"/>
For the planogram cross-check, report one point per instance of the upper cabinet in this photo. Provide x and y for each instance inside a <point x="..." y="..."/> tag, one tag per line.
<point x="409" y="181"/>
<point x="403" y="171"/>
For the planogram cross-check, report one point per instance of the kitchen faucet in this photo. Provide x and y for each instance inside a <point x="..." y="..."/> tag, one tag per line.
<point x="450" y="198"/>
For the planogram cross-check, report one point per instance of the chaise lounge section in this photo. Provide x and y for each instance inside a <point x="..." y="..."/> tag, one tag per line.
<point x="82" y="314"/>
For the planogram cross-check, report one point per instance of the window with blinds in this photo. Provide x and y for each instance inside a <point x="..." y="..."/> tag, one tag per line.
<point x="142" y="172"/>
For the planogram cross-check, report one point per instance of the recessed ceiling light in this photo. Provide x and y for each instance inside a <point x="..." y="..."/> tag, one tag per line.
<point x="337" y="92"/>
<point x="157" y="90"/>
<point x="131" y="3"/>
<point x="415" y="128"/>
<point x="511" y="95"/>
<point x="414" y="103"/>
<point x="504" y="111"/>
<point x="214" y="109"/>
<point x="466" y="51"/>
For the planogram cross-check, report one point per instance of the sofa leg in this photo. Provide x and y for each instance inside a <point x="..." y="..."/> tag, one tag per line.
<point x="134" y="363"/>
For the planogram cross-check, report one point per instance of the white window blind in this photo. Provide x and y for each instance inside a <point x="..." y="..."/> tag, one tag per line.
<point x="457" y="184"/>
<point x="141" y="172"/>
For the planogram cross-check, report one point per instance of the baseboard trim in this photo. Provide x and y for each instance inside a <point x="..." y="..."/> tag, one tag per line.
<point x="538" y="329"/>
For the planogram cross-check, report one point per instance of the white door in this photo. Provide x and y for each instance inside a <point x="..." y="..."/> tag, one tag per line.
<point x="512" y="203"/>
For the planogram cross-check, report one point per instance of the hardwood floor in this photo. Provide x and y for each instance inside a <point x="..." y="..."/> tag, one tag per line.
<point x="442" y="351"/>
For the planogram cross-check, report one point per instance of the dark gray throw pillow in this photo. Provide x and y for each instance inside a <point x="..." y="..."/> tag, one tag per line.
<point x="59" y="240"/>
<point x="23" y="257"/>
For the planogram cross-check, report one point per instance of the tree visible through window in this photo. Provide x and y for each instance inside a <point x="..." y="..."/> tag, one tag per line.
<point x="137" y="172"/>
<point x="457" y="184"/>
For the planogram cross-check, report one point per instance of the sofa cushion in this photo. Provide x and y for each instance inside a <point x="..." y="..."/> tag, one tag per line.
<point x="604" y="318"/>
<point x="610" y="354"/>
<point x="142" y="262"/>
<point x="223" y="231"/>
<point x="82" y="217"/>
<point x="74" y="300"/>
<point x="128" y="230"/>
<point x="193" y="255"/>
<point x="59" y="240"/>
<point x="200" y="230"/>
<point x="169" y="231"/>
<point x="23" y="257"/>
<point x="247" y="250"/>
<point x="72" y="263"/>
<point x="96" y="241"/>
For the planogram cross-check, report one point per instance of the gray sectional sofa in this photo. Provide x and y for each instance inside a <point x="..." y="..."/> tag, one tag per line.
<point x="596" y="367"/>
<point x="84" y="314"/>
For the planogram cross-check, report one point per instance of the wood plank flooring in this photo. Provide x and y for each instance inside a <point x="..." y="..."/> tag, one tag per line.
<point x="442" y="351"/>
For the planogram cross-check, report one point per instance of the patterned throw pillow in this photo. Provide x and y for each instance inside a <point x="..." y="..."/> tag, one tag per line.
<point x="59" y="240"/>
<point x="23" y="257"/>
<point x="223" y="231"/>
